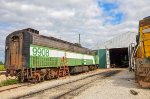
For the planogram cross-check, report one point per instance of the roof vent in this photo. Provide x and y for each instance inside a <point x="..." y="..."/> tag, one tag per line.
<point x="32" y="30"/>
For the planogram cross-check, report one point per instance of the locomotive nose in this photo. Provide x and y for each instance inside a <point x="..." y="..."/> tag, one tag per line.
<point x="13" y="51"/>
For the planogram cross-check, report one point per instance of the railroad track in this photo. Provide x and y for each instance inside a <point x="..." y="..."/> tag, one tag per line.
<point x="15" y="87"/>
<point x="2" y="72"/>
<point x="70" y="89"/>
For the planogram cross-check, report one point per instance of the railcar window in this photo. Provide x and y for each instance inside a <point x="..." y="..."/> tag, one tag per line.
<point x="15" y="38"/>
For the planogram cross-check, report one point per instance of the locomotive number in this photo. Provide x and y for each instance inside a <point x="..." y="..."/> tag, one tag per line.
<point x="40" y="51"/>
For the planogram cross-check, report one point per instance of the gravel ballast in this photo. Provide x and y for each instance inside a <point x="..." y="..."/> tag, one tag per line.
<point x="26" y="90"/>
<point x="116" y="87"/>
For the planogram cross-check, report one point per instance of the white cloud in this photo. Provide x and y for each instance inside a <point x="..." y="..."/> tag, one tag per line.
<point x="63" y="14"/>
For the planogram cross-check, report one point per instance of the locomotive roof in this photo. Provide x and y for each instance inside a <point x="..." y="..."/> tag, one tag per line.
<point x="50" y="37"/>
<point x="145" y="21"/>
<point x="59" y="40"/>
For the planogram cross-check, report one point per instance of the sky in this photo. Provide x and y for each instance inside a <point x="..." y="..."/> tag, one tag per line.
<point x="95" y="20"/>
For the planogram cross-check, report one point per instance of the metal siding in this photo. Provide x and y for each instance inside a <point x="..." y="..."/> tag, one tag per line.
<point x="102" y="58"/>
<point x="52" y="42"/>
<point x="120" y="41"/>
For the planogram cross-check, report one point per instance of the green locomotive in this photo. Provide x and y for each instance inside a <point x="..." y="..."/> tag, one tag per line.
<point x="31" y="56"/>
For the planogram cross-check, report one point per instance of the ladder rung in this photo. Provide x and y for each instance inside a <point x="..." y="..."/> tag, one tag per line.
<point x="64" y="69"/>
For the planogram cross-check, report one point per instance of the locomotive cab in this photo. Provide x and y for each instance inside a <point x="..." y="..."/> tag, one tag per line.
<point x="17" y="50"/>
<point x="13" y="50"/>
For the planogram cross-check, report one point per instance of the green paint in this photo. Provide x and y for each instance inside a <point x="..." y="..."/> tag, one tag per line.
<point x="39" y="51"/>
<point x="96" y="57"/>
<point x="38" y="62"/>
<point x="41" y="57"/>
<point x="102" y="58"/>
<point x="31" y="45"/>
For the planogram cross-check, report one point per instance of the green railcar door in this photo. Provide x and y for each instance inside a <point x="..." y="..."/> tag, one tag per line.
<point x="102" y="58"/>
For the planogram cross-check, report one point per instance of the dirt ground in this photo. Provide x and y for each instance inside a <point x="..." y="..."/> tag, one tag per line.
<point x="115" y="87"/>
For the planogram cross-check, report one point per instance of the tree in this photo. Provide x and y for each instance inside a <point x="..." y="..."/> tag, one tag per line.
<point x="1" y="63"/>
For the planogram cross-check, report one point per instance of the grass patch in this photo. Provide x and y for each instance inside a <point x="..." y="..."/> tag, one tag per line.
<point x="9" y="82"/>
<point x="2" y="68"/>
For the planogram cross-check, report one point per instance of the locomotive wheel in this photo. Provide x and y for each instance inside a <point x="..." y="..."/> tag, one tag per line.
<point x="36" y="77"/>
<point x="20" y="77"/>
<point x="48" y="76"/>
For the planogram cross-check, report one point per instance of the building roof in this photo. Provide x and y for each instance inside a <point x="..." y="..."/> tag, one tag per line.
<point x="120" y="41"/>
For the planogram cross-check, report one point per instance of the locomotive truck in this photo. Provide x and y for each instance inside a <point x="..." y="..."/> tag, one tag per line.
<point x="33" y="57"/>
<point x="142" y="53"/>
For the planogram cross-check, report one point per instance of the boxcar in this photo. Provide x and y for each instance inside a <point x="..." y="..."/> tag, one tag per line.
<point x="30" y="56"/>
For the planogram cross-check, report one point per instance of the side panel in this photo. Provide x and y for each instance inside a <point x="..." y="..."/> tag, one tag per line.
<point x="102" y="58"/>
<point x="146" y="41"/>
<point x="47" y="57"/>
<point x="96" y="57"/>
<point x="52" y="42"/>
<point x="143" y="50"/>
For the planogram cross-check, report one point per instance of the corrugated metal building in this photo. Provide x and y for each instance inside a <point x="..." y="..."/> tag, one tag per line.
<point x="114" y="53"/>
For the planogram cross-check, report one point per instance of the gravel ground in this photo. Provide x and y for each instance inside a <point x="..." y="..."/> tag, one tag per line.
<point x="3" y="77"/>
<point x="71" y="89"/>
<point x="115" y="87"/>
<point x="21" y="91"/>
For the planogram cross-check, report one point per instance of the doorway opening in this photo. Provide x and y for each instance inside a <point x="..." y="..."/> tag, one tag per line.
<point x="119" y="57"/>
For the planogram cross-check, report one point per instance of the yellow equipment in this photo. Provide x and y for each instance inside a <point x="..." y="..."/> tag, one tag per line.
<point x="142" y="53"/>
